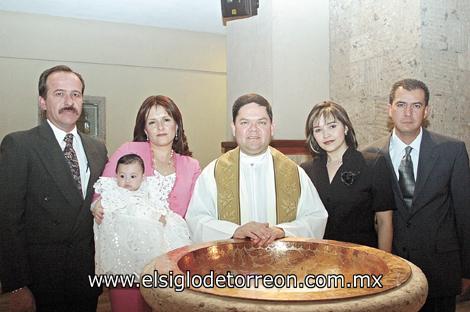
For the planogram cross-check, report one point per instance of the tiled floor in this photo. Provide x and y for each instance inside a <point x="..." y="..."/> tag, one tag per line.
<point x="463" y="306"/>
<point x="103" y="302"/>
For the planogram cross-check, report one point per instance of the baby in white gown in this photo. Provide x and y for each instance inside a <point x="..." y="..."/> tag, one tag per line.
<point x="138" y="225"/>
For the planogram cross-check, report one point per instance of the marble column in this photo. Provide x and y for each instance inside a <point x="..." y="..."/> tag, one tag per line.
<point x="374" y="43"/>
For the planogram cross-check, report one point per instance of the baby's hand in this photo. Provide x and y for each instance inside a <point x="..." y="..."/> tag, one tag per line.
<point x="163" y="219"/>
<point x="98" y="212"/>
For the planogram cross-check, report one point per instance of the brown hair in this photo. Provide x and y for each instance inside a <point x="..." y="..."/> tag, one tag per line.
<point x="251" y="98"/>
<point x="42" y="84"/>
<point x="328" y="109"/>
<point x="180" y="143"/>
<point x="409" y="85"/>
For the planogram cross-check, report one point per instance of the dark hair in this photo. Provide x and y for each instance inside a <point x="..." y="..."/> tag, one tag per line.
<point x="409" y="85"/>
<point x="180" y="143"/>
<point x="130" y="159"/>
<point x="42" y="84"/>
<point x="251" y="98"/>
<point x="328" y="109"/>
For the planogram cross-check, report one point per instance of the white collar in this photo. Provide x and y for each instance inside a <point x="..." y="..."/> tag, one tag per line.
<point x="256" y="159"/>
<point x="397" y="144"/>
<point x="60" y="134"/>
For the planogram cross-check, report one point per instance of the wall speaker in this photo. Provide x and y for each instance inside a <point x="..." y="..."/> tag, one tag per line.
<point x="236" y="9"/>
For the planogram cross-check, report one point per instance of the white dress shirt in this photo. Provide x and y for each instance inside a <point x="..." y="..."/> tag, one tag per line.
<point x="397" y="151"/>
<point x="257" y="202"/>
<point x="79" y="150"/>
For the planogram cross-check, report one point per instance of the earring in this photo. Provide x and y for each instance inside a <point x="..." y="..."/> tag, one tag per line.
<point x="176" y="136"/>
<point x="146" y="137"/>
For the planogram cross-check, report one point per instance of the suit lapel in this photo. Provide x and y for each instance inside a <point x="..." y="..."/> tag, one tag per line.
<point x="52" y="157"/>
<point x="91" y="154"/>
<point x="385" y="149"/>
<point x="400" y="203"/>
<point x="427" y="159"/>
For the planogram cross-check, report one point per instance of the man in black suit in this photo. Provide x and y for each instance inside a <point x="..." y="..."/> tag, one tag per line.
<point x="46" y="185"/>
<point x="431" y="184"/>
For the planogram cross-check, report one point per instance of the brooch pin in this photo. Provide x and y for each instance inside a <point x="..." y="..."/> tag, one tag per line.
<point x="348" y="177"/>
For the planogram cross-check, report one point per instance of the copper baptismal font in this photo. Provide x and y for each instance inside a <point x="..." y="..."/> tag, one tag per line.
<point x="292" y="274"/>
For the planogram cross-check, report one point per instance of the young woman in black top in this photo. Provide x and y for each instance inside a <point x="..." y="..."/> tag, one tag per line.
<point x="355" y="187"/>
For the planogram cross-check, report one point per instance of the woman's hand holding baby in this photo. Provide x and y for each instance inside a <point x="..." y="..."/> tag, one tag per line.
<point x="98" y="212"/>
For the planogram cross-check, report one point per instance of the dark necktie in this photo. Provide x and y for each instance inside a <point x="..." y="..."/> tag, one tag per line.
<point x="406" y="177"/>
<point x="72" y="159"/>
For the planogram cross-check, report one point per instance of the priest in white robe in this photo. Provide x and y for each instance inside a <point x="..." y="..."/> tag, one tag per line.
<point x="254" y="191"/>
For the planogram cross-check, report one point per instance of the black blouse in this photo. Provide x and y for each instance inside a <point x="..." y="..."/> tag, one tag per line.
<point x="361" y="187"/>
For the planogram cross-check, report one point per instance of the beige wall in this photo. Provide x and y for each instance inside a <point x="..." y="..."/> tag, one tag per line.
<point x="125" y="64"/>
<point x="282" y="54"/>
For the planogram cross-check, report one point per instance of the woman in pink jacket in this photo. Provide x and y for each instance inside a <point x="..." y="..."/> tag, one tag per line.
<point x="159" y="139"/>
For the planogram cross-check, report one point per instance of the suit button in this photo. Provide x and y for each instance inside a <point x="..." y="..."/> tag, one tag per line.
<point x="408" y="224"/>
<point x="404" y="249"/>
<point x="56" y="222"/>
<point x="46" y="198"/>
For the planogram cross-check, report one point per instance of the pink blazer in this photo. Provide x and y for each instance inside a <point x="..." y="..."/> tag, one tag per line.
<point x="187" y="171"/>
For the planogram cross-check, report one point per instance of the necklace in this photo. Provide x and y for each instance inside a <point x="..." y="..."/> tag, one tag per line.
<point x="169" y="165"/>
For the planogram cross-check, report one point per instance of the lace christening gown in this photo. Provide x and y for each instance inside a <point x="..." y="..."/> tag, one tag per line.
<point x="131" y="233"/>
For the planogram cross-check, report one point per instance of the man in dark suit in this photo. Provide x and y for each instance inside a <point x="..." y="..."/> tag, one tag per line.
<point x="46" y="185"/>
<point x="431" y="184"/>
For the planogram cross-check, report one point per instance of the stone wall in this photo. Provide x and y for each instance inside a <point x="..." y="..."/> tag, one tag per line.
<point x="374" y="43"/>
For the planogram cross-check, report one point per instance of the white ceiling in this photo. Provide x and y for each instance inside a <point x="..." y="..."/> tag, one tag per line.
<point x="195" y="15"/>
